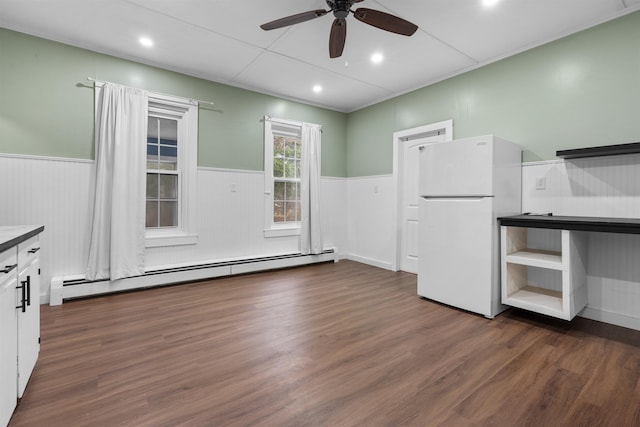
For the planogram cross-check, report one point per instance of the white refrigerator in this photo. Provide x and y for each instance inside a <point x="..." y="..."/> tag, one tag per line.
<point x="465" y="185"/>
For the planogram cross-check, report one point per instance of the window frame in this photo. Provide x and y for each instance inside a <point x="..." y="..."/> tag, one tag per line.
<point x="272" y="127"/>
<point x="185" y="111"/>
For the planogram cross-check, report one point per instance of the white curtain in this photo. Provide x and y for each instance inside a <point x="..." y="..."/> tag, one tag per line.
<point x="310" y="230"/>
<point x="118" y="230"/>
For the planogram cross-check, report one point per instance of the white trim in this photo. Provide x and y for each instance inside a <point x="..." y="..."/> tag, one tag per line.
<point x="170" y="239"/>
<point x="47" y="158"/>
<point x="212" y="169"/>
<point x="337" y="178"/>
<point x="612" y="318"/>
<point x="543" y="162"/>
<point x="369" y="177"/>
<point x="370" y="261"/>
<point x="398" y="138"/>
<point x="272" y="229"/>
<point x="282" y="231"/>
<point x="185" y="112"/>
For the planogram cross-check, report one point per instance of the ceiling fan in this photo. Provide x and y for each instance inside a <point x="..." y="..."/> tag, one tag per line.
<point x="341" y="9"/>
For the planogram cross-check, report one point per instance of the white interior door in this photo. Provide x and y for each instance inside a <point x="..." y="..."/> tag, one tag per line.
<point x="409" y="216"/>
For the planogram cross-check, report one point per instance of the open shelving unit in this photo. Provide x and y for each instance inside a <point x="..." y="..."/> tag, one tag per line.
<point x="551" y="279"/>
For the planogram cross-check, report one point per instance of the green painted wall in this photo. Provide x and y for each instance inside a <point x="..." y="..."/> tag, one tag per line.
<point x="580" y="91"/>
<point x="47" y="106"/>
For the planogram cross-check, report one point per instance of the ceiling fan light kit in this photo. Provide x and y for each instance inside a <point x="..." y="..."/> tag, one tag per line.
<point x="341" y="10"/>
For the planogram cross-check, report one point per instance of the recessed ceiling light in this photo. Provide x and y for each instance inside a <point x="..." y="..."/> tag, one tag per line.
<point x="377" y="58"/>
<point x="317" y="88"/>
<point x="489" y="3"/>
<point x="145" y="41"/>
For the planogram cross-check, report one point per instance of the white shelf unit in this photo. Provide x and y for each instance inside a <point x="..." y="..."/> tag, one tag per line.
<point x="544" y="270"/>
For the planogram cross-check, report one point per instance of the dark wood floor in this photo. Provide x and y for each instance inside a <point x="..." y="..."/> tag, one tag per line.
<point x="327" y="345"/>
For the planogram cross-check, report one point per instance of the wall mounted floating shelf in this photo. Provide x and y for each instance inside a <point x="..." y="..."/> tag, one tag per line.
<point x="606" y="150"/>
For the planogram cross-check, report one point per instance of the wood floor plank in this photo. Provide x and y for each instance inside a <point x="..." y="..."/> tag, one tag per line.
<point x="341" y="344"/>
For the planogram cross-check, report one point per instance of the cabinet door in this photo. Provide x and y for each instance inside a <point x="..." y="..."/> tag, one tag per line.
<point x="9" y="353"/>
<point x="28" y="324"/>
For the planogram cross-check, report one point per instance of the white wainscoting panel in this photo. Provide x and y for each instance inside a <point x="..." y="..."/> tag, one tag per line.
<point x="231" y="220"/>
<point x="57" y="193"/>
<point x="371" y="228"/>
<point x="53" y="193"/>
<point x="599" y="186"/>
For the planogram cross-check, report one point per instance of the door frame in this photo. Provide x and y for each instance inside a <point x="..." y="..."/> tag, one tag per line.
<point x="399" y="137"/>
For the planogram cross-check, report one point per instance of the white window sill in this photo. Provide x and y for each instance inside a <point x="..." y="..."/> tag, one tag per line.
<point x="160" y="239"/>
<point x="282" y="232"/>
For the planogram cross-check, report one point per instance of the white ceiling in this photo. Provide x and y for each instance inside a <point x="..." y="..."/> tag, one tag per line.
<point x="221" y="40"/>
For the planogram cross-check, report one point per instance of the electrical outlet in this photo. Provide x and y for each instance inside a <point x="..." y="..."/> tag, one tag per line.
<point x="233" y="187"/>
<point x="541" y="183"/>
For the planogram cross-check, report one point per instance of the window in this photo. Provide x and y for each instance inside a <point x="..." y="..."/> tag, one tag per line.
<point x="162" y="173"/>
<point x="283" y="153"/>
<point x="171" y="171"/>
<point x="286" y="179"/>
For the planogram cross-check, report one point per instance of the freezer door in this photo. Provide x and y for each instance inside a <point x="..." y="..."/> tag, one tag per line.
<point x="457" y="253"/>
<point x="458" y="168"/>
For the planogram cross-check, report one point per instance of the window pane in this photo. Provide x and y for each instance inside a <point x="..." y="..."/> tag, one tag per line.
<point x="290" y="149"/>
<point x="152" y="142"/>
<point x="298" y="149"/>
<point x="168" y="186"/>
<point x="278" y="211"/>
<point x="167" y="166"/>
<point x="292" y="191"/>
<point x="289" y="169"/>
<point x="168" y="131"/>
<point x="278" y="190"/>
<point x="152" y="214"/>
<point x="298" y="175"/>
<point x="278" y="146"/>
<point x="168" y="214"/>
<point x="168" y="157"/>
<point x="292" y="211"/>
<point x="298" y="211"/>
<point x="152" y="186"/>
<point x="278" y="168"/>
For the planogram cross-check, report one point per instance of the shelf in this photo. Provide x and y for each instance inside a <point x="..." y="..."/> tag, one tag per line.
<point x="540" y="300"/>
<point x="549" y="281"/>
<point x="574" y="223"/>
<point x="536" y="258"/>
<point x="606" y="150"/>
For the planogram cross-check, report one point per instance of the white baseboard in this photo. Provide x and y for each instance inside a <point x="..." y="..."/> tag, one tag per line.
<point x="612" y="318"/>
<point x="370" y="261"/>
<point x="64" y="288"/>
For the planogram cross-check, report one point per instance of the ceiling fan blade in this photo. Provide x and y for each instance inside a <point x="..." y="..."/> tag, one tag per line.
<point x="385" y="21"/>
<point x="294" y="19"/>
<point x="337" y="37"/>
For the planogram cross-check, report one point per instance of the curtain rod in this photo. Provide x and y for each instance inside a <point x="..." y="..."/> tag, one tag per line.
<point x="267" y="117"/>
<point x="91" y="79"/>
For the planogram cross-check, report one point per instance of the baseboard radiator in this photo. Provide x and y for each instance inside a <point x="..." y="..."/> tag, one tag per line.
<point x="65" y="288"/>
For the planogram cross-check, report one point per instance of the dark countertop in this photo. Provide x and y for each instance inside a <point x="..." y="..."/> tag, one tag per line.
<point x="578" y="223"/>
<point x="13" y="235"/>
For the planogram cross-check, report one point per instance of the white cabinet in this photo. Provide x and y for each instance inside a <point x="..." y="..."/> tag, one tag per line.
<point x="29" y="311"/>
<point x="8" y="335"/>
<point x="19" y="313"/>
<point x="543" y="270"/>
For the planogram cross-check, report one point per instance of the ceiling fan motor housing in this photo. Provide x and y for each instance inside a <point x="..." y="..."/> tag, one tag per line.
<point x="340" y="8"/>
